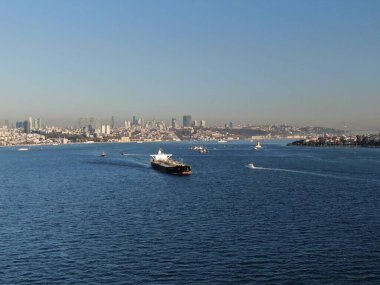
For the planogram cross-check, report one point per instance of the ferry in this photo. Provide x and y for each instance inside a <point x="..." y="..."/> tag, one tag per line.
<point x="23" y="149"/>
<point x="164" y="163"/>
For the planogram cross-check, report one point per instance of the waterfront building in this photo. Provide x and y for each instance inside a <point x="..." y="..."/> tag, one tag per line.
<point x="186" y="121"/>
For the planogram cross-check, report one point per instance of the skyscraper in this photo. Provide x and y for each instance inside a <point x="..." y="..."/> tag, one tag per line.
<point x="203" y="124"/>
<point x="30" y="123"/>
<point x="27" y="126"/>
<point x="112" y="122"/>
<point x="186" y="121"/>
<point x="39" y="122"/>
<point x="174" y="123"/>
<point x="127" y="124"/>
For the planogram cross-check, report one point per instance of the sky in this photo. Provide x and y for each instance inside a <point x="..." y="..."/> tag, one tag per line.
<point x="301" y="62"/>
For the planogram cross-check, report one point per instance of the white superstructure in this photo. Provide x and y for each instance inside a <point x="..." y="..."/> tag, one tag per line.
<point x="160" y="156"/>
<point x="258" y="146"/>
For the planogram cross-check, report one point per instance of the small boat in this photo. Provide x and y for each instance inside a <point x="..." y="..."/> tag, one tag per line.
<point x="23" y="149"/>
<point x="251" y="166"/>
<point x="203" y="150"/>
<point x="222" y="141"/>
<point x="103" y="154"/>
<point x="196" y="147"/>
<point x="200" y="149"/>
<point x="124" y="153"/>
<point x="258" y="146"/>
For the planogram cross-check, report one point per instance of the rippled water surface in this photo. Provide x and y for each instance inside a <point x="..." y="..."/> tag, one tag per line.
<point x="303" y="216"/>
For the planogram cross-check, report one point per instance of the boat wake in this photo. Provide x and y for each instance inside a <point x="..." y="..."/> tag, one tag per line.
<point x="326" y="175"/>
<point x="118" y="162"/>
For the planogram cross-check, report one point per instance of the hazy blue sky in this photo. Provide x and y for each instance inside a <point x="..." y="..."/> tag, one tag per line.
<point x="298" y="62"/>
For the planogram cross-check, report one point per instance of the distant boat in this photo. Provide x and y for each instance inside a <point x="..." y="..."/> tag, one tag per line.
<point x="200" y="149"/>
<point x="103" y="154"/>
<point x="222" y="141"/>
<point x="251" y="165"/>
<point x="23" y="149"/>
<point x="124" y="153"/>
<point x="203" y="150"/>
<point x="258" y="146"/>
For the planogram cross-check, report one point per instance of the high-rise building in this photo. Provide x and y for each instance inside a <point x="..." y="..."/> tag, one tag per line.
<point x="19" y="125"/>
<point x="35" y="124"/>
<point x="174" y="123"/>
<point x="27" y="126"/>
<point x="112" y="122"/>
<point x="108" y="129"/>
<point x="194" y="123"/>
<point x="127" y="124"/>
<point x="31" y="122"/>
<point x="39" y="122"/>
<point x="186" y="121"/>
<point x="203" y="124"/>
<point x="134" y="121"/>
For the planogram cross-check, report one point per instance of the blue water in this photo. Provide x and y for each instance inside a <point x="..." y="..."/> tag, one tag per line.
<point x="304" y="216"/>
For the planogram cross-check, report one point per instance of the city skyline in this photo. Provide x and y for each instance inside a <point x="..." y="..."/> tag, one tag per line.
<point x="259" y="62"/>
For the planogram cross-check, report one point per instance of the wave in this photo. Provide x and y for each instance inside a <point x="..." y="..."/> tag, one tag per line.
<point x="314" y="174"/>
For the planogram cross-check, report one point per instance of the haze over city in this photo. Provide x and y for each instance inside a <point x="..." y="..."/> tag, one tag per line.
<point x="295" y="62"/>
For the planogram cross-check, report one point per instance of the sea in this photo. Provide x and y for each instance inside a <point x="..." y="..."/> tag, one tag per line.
<point x="304" y="215"/>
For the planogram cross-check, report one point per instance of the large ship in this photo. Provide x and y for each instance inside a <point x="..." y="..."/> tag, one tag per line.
<point x="164" y="163"/>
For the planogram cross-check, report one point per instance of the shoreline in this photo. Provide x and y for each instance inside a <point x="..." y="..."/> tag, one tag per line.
<point x="141" y="142"/>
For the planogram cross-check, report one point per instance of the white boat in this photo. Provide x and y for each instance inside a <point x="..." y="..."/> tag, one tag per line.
<point x="196" y="147"/>
<point x="222" y="141"/>
<point x="200" y="149"/>
<point x="251" y="166"/>
<point x="258" y="146"/>
<point x="23" y="149"/>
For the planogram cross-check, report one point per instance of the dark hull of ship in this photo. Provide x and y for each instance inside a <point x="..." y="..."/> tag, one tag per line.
<point x="182" y="169"/>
